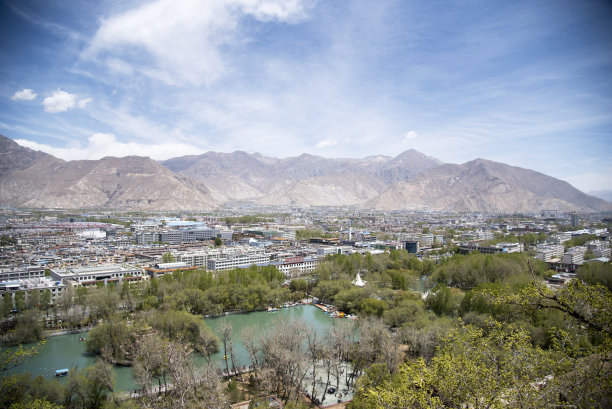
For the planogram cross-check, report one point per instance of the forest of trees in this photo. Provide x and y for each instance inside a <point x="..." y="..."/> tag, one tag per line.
<point x="488" y="334"/>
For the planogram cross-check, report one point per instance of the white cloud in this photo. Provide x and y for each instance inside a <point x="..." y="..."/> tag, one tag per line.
<point x="60" y="101"/>
<point x="100" y="145"/>
<point x="326" y="143"/>
<point x="411" y="135"/>
<point x="183" y="39"/>
<point x="25" y="94"/>
<point x="83" y="103"/>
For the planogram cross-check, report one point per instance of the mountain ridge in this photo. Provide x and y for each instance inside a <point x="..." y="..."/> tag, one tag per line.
<point x="201" y="182"/>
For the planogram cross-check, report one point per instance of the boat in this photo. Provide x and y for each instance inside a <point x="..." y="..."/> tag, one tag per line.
<point x="61" y="372"/>
<point x="272" y="309"/>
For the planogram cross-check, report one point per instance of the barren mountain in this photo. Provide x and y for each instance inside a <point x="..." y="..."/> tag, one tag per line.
<point x="14" y="157"/>
<point x="122" y="183"/>
<point x="35" y="179"/>
<point x="330" y="190"/>
<point x="486" y="186"/>
<point x="340" y="181"/>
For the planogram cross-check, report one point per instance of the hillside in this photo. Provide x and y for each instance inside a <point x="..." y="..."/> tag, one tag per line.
<point x="486" y="186"/>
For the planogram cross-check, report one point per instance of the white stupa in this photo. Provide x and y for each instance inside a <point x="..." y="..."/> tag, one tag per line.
<point x="358" y="281"/>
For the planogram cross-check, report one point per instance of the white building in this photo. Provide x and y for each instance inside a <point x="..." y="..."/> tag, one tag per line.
<point x="92" y="275"/>
<point x="22" y="272"/>
<point x="574" y="255"/>
<point x="329" y="250"/>
<point x="548" y="252"/>
<point x="297" y="266"/>
<point x="28" y="285"/>
<point x="236" y="260"/>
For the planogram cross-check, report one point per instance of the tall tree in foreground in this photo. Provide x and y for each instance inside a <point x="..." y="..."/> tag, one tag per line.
<point x="498" y="367"/>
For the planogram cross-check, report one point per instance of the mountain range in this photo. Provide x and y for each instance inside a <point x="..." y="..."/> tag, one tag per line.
<point x="410" y="180"/>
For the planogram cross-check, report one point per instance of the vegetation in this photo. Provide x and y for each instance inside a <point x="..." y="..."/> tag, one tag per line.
<point x="248" y="219"/>
<point x="7" y="241"/>
<point x="580" y="240"/>
<point x="488" y="333"/>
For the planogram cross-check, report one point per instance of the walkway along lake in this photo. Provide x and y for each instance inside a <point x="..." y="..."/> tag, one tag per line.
<point x="66" y="351"/>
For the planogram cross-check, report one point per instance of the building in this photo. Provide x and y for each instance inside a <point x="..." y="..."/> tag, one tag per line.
<point x="549" y="252"/>
<point x="412" y="246"/>
<point x="574" y="255"/>
<point x="297" y="266"/>
<point x="23" y="272"/>
<point x="599" y="248"/>
<point x="198" y="258"/>
<point x="178" y="236"/>
<point x="426" y="240"/>
<point x="28" y="285"/>
<point x="329" y="250"/>
<point x="496" y="248"/>
<point x="232" y="261"/>
<point x="93" y="275"/>
<point x="574" y="219"/>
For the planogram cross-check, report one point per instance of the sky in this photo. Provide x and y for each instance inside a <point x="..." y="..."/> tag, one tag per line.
<point x="524" y="82"/>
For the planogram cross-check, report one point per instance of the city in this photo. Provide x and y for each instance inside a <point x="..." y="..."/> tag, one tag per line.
<point x="68" y="274"/>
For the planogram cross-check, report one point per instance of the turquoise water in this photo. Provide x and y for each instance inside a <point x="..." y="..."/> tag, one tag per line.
<point x="66" y="351"/>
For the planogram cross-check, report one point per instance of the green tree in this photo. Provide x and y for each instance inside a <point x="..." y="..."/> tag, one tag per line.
<point x="474" y="368"/>
<point x="218" y="241"/>
<point x="35" y="404"/>
<point x="20" y="300"/>
<point x="439" y="300"/>
<point x="90" y="387"/>
<point x="168" y="258"/>
<point x="45" y="299"/>
<point x="7" y="304"/>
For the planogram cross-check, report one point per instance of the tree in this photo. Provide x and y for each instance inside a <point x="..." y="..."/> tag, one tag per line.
<point x="12" y="358"/>
<point x="113" y="340"/>
<point x="7" y="304"/>
<point x="45" y="299"/>
<point x="225" y="329"/>
<point x="89" y="388"/>
<point x="474" y="368"/>
<point x="35" y="404"/>
<point x="168" y="258"/>
<point x="218" y="241"/>
<point x="497" y="365"/>
<point x="439" y="300"/>
<point x="591" y="305"/>
<point x="149" y="362"/>
<point x="284" y="359"/>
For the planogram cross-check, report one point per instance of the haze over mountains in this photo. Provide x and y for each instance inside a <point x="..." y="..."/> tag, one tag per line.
<point x="199" y="182"/>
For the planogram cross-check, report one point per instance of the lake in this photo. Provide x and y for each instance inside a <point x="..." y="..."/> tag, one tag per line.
<point x="66" y="351"/>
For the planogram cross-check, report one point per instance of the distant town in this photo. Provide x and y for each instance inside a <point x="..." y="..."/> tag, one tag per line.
<point x="48" y="250"/>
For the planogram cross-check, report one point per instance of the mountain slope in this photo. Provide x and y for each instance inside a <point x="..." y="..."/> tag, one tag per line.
<point x="486" y="186"/>
<point x="14" y="157"/>
<point x="122" y="183"/>
<point x="411" y="179"/>
<point x="241" y="176"/>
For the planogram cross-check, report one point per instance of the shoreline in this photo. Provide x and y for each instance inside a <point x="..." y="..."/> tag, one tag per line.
<point x="66" y="332"/>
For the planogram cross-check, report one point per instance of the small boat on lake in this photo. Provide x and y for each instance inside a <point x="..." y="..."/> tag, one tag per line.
<point x="61" y="372"/>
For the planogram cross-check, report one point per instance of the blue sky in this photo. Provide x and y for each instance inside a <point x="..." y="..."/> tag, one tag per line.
<point x="528" y="83"/>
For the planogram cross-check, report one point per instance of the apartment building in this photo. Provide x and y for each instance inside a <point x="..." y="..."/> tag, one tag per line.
<point x="297" y="266"/>
<point x="574" y="255"/>
<point x="548" y="252"/>
<point x="330" y="250"/>
<point x="231" y="261"/>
